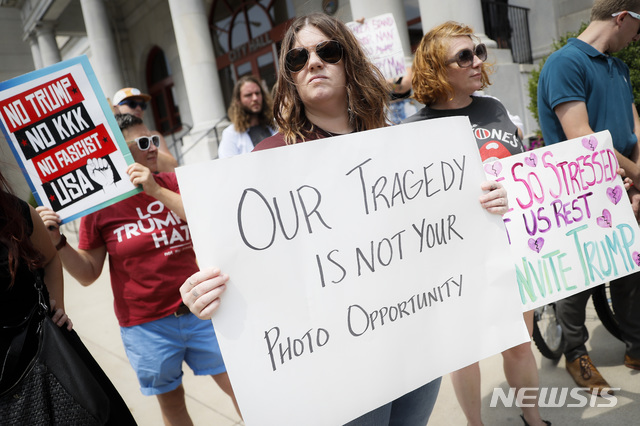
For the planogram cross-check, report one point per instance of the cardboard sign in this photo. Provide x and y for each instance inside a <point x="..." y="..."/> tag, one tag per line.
<point x="64" y="136"/>
<point x="570" y="226"/>
<point x="380" y="39"/>
<point x="361" y="267"/>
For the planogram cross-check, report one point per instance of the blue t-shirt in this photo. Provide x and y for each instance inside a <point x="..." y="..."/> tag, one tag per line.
<point x="579" y="72"/>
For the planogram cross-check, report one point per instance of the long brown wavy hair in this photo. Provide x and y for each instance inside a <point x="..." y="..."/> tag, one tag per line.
<point x="430" y="73"/>
<point x="237" y="114"/>
<point x="367" y="90"/>
<point x="14" y="233"/>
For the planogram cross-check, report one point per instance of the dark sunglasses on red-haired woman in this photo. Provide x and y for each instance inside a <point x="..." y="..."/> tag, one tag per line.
<point x="465" y="57"/>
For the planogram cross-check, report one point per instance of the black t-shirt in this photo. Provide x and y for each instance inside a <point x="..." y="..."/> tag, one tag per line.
<point x="495" y="133"/>
<point x="258" y="133"/>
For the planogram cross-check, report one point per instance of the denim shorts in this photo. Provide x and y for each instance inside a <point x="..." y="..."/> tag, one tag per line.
<point x="156" y="350"/>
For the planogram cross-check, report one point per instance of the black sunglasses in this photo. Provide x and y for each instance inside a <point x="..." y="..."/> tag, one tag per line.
<point x="133" y="104"/>
<point x="144" y="142"/>
<point x="329" y="51"/>
<point x="464" y="58"/>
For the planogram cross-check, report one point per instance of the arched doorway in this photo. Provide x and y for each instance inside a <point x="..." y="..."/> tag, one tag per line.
<point x="246" y="36"/>
<point x="160" y="83"/>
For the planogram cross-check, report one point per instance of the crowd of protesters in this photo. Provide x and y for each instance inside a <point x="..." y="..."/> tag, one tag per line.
<point x="326" y="86"/>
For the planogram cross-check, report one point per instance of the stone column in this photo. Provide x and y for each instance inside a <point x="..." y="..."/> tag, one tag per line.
<point x="368" y="9"/>
<point x="47" y="44"/>
<point x="35" y="52"/>
<point x="200" y="74"/>
<point x="468" y="12"/>
<point x="104" y="55"/>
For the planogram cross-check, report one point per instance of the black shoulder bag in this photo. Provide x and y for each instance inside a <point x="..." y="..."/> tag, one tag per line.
<point x="44" y="378"/>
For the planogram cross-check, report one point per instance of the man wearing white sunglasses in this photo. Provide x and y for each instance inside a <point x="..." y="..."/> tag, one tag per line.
<point x="583" y="90"/>
<point x="150" y="256"/>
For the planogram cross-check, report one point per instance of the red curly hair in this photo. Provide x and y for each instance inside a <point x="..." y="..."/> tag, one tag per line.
<point x="430" y="73"/>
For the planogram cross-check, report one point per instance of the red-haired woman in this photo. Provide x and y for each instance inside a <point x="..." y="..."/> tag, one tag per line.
<point x="448" y="68"/>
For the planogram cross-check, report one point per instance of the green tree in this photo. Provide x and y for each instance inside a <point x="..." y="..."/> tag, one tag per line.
<point x="630" y="55"/>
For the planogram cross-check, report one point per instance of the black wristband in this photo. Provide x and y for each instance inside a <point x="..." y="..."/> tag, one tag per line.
<point x="62" y="242"/>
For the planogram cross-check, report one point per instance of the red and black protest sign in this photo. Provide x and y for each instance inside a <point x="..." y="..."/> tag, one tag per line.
<point x="55" y="131"/>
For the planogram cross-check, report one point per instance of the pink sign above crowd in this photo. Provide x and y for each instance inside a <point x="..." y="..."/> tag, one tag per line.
<point x="379" y="37"/>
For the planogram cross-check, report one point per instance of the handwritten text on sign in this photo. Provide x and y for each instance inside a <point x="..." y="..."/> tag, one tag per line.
<point x="380" y="39"/>
<point x="57" y="128"/>
<point x="349" y="257"/>
<point x="571" y="226"/>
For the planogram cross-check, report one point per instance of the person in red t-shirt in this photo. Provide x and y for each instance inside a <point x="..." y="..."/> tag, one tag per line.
<point x="448" y="69"/>
<point x="150" y="256"/>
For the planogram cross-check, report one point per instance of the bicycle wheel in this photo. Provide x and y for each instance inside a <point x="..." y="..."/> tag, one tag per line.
<point x="601" y="298"/>
<point x="547" y="331"/>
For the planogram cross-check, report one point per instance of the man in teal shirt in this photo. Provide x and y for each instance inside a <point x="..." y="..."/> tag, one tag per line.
<point x="583" y="90"/>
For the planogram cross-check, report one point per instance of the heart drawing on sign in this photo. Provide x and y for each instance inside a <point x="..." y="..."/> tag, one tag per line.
<point x="604" y="221"/>
<point x="590" y="143"/>
<point x="531" y="160"/>
<point x="636" y="257"/>
<point x="536" y="245"/>
<point x="615" y="194"/>
<point x="493" y="168"/>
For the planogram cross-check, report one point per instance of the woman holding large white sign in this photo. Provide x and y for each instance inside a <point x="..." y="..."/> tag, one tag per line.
<point x="328" y="87"/>
<point x="448" y="68"/>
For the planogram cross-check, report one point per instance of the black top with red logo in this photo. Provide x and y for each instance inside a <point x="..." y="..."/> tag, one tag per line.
<point x="495" y="133"/>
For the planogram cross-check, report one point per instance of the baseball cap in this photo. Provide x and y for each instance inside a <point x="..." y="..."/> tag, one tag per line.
<point x="129" y="92"/>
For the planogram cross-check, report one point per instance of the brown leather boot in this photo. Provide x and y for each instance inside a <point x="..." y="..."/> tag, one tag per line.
<point x="631" y="362"/>
<point x="586" y="375"/>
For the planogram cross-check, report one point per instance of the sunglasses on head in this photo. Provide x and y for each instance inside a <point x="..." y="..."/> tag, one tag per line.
<point x="632" y="14"/>
<point x="144" y="142"/>
<point x="329" y="51"/>
<point x="133" y="104"/>
<point x="464" y="58"/>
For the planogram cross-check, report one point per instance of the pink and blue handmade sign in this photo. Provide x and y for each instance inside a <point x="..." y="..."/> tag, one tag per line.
<point x="570" y="223"/>
<point x="63" y="135"/>
<point x="380" y="39"/>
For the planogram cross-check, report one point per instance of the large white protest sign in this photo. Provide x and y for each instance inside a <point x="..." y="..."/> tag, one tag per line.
<point x="380" y="39"/>
<point x="64" y="136"/>
<point x="361" y="267"/>
<point x="571" y="226"/>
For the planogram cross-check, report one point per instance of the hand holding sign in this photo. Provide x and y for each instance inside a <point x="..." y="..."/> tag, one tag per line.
<point x="50" y="218"/>
<point x="201" y="291"/>
<point x="141" y="175"/>
<point x="495" y="201"/>
<point x="100" y="171"/>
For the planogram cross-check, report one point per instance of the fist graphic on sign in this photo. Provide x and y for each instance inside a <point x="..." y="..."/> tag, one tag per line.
<point x="100" y="171"/>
